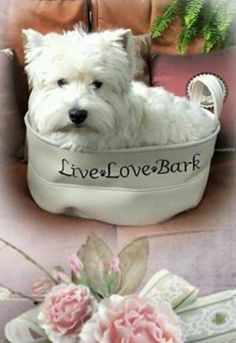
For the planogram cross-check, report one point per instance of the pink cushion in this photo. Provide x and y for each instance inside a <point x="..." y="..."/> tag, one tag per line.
<point x="174" y="73"/>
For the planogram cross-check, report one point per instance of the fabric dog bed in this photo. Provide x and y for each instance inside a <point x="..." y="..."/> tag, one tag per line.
<point x="137" y="186"/>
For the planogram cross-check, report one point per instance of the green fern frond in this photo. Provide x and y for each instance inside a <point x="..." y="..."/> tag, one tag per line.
<point x="192" y="12"/>
<point x="217" y="24"/>
<point x="186" y="38"/>
<point x="162" y="23"/>
<point x="209" y="30"/>
<point x="191" y="21"/>
<point x="211" y="19"/>
<point x="224" y="18"/>
<point x="211" y="38"/>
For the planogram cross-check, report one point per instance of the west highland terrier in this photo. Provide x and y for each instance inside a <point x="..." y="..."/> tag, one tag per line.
<point x="83" y="96"/>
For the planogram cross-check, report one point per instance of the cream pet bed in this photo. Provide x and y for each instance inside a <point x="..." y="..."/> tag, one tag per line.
<point x="137" y="186"/>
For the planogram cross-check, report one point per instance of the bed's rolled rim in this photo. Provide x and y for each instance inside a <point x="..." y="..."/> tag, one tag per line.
<point x="126" y="150"/>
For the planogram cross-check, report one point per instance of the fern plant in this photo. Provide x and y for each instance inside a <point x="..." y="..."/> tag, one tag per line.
<point x="162" y="23"/>
<point x="190" y="22"/>
<point x="210" y="19"/>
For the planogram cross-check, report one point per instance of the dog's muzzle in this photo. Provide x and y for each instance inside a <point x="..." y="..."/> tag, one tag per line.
<point x="77" y="116"/>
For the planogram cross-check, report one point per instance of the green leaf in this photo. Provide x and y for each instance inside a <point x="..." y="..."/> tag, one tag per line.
<point x="210" y="30"/>
<point x="114" y="282"/>
<point x="186" y="37"/>
<point x="224" y="18"/>
<point x="218" y="20"/>
<point x="212" y="39"/>
<point x="192" y="12"/>
<point x="191" y="21"/>
<point x="161" y="23"/>
<point x="133" y="265"/>
<point x="211" y="19"/>
<point x="96" y="256"/>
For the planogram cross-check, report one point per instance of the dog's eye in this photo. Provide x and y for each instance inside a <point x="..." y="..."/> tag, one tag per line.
<point x="62" y="82"/>
<point x="97" y="84"/>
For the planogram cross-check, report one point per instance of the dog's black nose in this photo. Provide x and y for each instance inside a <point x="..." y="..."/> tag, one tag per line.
<point x="77" y="116"/>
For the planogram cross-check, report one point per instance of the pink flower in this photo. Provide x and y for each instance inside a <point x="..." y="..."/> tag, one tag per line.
<point x="41" y="287"/>
<point x="65" y="310"/>
<point x="131" y="319"/>
<point x="76" y="264"/>
<point x="114" y="265"/>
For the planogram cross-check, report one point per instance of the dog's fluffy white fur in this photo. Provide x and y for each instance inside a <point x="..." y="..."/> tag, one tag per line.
<point x="93" y="73"/>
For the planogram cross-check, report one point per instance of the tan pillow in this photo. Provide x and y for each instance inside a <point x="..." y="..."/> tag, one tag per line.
<point x="11" y="124"/>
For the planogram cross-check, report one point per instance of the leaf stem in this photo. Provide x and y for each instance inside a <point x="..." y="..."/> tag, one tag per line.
<point x="19" y="294"/>
<point x="29" y="258"/>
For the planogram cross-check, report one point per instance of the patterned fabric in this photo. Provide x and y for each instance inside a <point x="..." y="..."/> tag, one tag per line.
<point x="209" y="319"/>
<point x="168" y="287"/>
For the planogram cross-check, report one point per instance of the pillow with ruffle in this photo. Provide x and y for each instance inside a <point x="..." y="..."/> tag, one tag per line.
<point x="175" y="73"/>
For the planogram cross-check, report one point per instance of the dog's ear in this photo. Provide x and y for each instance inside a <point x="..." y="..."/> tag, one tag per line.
<point x="32" y="39"/>
<point x="33" y="44"/>
<point x="127" y="40"/>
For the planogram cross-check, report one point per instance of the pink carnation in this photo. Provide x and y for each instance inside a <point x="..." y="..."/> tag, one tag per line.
<point x="65" y="310"/>
<point x="131" y="320"/>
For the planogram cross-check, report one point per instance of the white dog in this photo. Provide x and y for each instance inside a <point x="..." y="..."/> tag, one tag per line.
<point x="83" y="96"/>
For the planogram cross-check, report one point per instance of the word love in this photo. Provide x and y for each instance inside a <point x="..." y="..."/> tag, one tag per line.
<point x="114" y="171"/>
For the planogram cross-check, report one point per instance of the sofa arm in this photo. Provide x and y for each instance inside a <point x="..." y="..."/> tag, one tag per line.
<point x="11" y="124"/>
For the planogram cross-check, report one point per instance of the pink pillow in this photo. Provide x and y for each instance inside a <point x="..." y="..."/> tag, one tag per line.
<point x="175" y="72"/>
